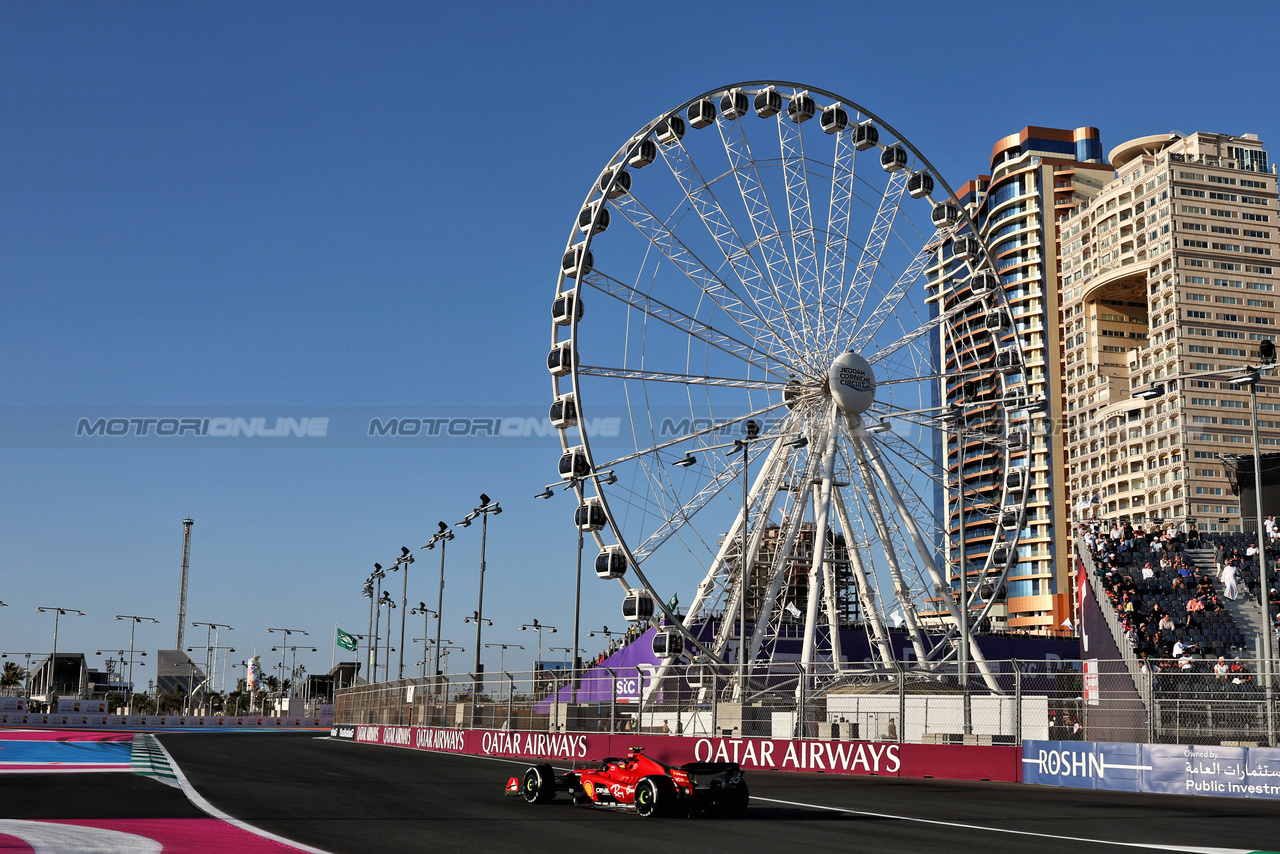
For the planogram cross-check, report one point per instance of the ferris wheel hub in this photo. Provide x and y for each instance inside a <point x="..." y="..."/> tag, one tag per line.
<point x="852" y="383"/>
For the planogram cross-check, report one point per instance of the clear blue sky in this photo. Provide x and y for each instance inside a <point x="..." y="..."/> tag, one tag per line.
<point x="363" y="205"/>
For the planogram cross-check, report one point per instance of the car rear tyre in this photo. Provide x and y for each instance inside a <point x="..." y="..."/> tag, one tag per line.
<point x="732" y="801"/>
<point x="539" y="784"/>
<point x="656" y="797"/>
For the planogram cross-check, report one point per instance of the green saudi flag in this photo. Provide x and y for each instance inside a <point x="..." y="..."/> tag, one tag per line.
<point x="345" y="640"/>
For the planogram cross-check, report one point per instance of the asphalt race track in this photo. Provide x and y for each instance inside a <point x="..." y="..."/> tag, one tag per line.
<point x="344" y="797"/>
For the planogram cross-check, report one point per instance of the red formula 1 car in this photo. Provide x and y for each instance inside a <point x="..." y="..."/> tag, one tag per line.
<point x="649" y="787"/>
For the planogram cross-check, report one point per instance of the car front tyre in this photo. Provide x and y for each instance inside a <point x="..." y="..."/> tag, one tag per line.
<point x="539" y="784"/>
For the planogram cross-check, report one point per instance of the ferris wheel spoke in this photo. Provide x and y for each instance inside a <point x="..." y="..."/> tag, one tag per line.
<point x="768" y="300"/>
<point x="889" y="303"/>
<point x="684" y="514"/>
<point x="840" y="212"/>
<point x="945" y="317"/>
<point x="660" y="235"/>
<point x="800" y="218"/>
<point x="682" y="379"/>
<point x="869" y="263"/>
<point x="746" y="171"/>
<point x="711" y="429"/>
<point x="691" y="326"/>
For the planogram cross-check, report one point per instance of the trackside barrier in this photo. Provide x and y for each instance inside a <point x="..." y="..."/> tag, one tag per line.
<point x="31" y="719"/>
<point x="1236" y="772"/>
<point x="887" y="759"/>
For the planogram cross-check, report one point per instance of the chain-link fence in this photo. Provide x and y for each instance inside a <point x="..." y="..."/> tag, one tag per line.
<point x="999" y="702"/>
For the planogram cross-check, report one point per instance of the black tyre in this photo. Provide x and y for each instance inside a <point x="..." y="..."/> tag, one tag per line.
<point x="539" y="784"/>
<point x="656" y="797"/>
<point x="732" y="801"/>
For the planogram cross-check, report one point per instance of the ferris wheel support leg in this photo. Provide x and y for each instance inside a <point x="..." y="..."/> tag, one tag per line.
<point x="821" y="513"/>
<point x="879" y="636"/>
<point x="829" y="592"/>
<point x="717" y="573"/>
<point x="860" y="439"/>
<point x="766" y="491"/>
<point x="782" y="561"/>
<point x="722" y="575"/>
<point x="900" y="589"/>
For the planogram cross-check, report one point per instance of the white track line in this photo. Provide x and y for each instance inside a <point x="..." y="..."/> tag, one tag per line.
<point x="208" y="808"/>
<point x="1192" y="850"/>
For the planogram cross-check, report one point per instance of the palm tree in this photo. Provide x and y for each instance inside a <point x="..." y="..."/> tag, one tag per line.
<point x="13" y="676"/>
<point x="216" y="702"/>
<point x="237" y="702"/>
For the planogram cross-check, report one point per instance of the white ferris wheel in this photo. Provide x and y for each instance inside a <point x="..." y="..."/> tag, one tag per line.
<point x="798" y="334"/>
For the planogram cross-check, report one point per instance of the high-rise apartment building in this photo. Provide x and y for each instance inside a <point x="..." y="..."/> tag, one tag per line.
<point x="1169" y="275"/>
<point x="1037" y="176"/>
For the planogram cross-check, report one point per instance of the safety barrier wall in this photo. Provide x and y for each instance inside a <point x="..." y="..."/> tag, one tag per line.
<point x="32" y="719"/>
<point x="886" y="759"/>
<point x="1224" y="771"/>
<point x="1090" y="700"/>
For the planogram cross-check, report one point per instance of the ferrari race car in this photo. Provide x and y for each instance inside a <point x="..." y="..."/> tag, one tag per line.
<point x="647" y="786"/>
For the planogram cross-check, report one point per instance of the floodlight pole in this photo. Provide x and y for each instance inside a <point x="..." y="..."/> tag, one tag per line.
<point x="1263" y="587"/>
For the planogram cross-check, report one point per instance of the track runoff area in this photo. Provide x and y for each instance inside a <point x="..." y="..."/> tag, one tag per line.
<point x="318" y="794"/>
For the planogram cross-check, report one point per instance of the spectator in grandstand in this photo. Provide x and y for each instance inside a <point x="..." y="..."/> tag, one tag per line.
<point x="1183" y="645"/>
<point x="1194" y="609"/>
<point x="1148" y="571"/>
<point x="1228" y="575"/>
<point x="1185" y="662"/>
<point x="1270" y="526"/>
<point x="1193" y="537"/>
<point x="1221" y="669"/>
<point x="1165" y="624"/>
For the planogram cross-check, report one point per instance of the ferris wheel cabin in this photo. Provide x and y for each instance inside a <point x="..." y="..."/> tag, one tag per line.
<point x="564" y="412"/>
<point x="590" y="516"/>
<point x="668" y="643"/>
<point x="702" y="113"/>
<point x="593" y="219"/>
<point x="611" y="563"/>
<point x="801" y="108"/>
<point x="638" y="606"/>
<point x="613" y="188"/>
<point x="734" y="104"/>
<point x="574" y="464"/>
<point x="893" y="158"/>
<point x="565" y="307"/>
<point x="768" y="102"/>
<point x="833" y="119"/>
<point x="560" y="360"/>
